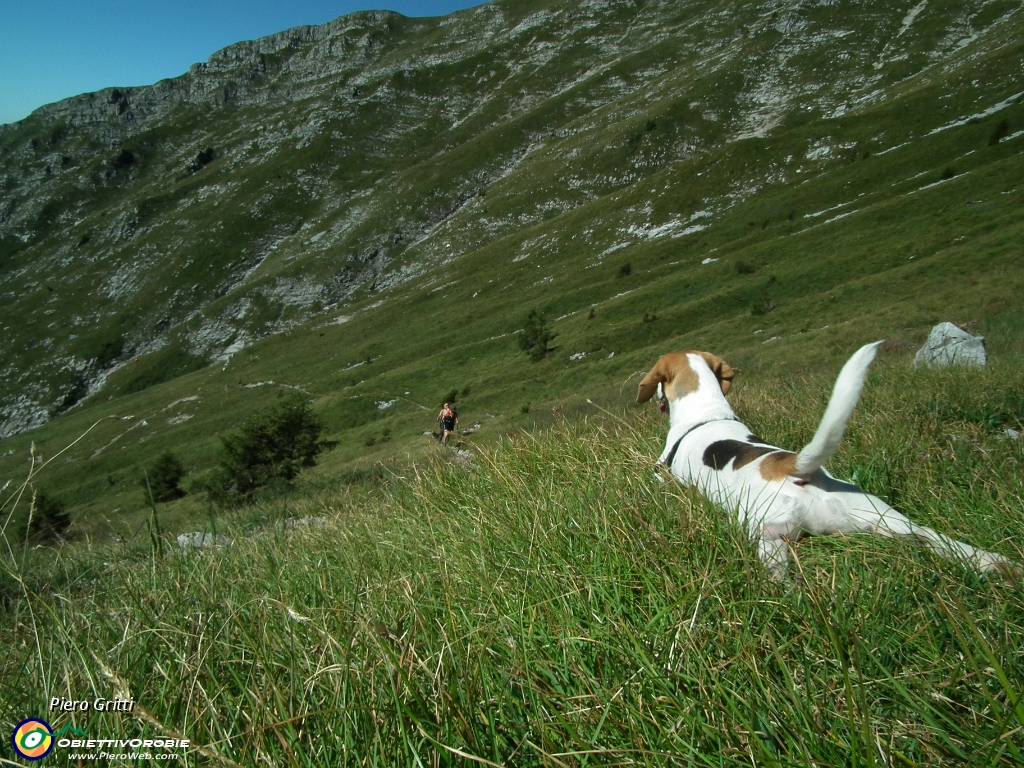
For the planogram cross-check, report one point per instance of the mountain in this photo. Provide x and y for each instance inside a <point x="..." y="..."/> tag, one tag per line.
<point x="398" y="193"/>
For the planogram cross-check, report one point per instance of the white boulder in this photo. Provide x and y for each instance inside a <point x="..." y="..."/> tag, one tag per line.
<point x="201" y="540"/>
<point x="949" y="345"/>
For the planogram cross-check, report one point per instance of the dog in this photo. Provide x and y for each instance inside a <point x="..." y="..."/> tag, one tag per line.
<point x="777" y="495"/>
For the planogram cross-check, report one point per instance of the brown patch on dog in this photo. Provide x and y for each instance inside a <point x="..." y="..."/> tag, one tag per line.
<point x="721" y="452"/>
<point x="778" y="465"/>
<point x="675" y="374"/>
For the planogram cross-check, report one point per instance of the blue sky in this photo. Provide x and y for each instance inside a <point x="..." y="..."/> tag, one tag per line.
<point x="53" y="49"/>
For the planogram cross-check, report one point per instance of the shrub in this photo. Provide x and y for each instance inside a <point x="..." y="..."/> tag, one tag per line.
<point x="162" y="478"/>
<point x="763" y="300"/>
<point x="49" y="521"/>
<point x="999" y="133"/>
<point x="78" y="389"/>
<point x="123" y="160"/>
<point x="270" y="449"/>
<point x="204" y="158"/>
<point x="745" y="268"/>
<point x="536" y="336"/>
<point x="626" y="270"/>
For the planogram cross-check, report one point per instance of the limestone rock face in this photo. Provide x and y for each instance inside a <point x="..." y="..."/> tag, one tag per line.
<point x="949" y="345"/>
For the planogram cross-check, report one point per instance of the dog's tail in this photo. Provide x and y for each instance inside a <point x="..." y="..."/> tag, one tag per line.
<point x="844" y="399"/>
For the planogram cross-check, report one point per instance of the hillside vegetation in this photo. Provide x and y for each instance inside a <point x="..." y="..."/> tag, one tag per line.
<point x="555" y="605"/>
<point x="369" y="210"/>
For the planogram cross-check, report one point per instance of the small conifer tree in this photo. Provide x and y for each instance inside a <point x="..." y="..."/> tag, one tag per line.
<point x="163" y="476"/>
<point x="269" y="450"/>
<point x="536" y="336"/>
<point x="47" y="522"/>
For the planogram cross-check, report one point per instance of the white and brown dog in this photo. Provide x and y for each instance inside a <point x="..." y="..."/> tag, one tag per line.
<point x="777" y="495"/>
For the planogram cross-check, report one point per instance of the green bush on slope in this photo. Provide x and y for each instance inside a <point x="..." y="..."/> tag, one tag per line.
<point x="269" y="450"/>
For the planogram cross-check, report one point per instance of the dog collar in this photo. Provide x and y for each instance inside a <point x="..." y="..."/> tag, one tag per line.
<point x="672" y="454"/>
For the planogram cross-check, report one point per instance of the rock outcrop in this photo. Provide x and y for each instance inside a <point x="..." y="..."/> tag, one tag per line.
<point x="949" y="345"/>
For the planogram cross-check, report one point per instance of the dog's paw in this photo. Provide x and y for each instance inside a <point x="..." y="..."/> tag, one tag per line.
<point x="997" y="565"/>
<point x="1009" y="571"/>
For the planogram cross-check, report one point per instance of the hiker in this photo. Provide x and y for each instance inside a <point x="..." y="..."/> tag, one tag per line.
<point x="449" y="418"/>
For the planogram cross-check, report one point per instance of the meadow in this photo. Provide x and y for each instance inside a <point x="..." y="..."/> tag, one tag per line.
<point x="554" y="602"/>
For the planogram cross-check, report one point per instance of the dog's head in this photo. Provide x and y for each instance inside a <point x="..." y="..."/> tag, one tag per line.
<point x="673" y="377"/>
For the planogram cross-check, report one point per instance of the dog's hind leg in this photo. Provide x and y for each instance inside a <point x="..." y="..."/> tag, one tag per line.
<point x="773" y="550"/>
<point x="886" y="521"/>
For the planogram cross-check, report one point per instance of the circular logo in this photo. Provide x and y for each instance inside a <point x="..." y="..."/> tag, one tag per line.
<point x="32" y="739"/>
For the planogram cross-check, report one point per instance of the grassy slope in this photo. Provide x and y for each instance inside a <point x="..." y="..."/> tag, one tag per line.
<point x="556" y="605"/>
<point x="903" y="259"/>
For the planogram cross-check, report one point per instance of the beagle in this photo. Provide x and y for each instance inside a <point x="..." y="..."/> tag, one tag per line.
<point x="779" y="496"/>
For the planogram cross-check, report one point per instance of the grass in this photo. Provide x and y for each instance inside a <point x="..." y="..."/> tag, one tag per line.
<point x="555" y="604"/>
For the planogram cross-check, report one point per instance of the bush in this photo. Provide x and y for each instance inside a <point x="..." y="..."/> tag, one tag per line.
<point x="626" y="270"/>
<point x="123" y="160"/>
<point x="763" y="302"/>
<point x="49" y="521"/>
<point x="78" y="389"/>
<point x="536" y="336"/>
<point x="204" y="158"/>
<point x="163" y="476"/>
<point x="269" y="450"/>
<point x="1000" y="133"/>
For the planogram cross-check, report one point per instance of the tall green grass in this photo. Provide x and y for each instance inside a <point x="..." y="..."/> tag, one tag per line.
<point x="554" y="603"/>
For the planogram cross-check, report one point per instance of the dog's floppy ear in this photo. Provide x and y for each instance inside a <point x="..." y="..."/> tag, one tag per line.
<point x="649" y="384"/>
<point x="722" y="370"/>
